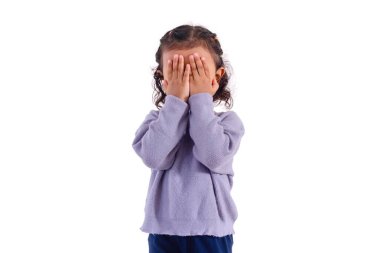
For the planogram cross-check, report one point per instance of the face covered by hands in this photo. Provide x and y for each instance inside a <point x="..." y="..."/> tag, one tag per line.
<point x="190" y="71"/>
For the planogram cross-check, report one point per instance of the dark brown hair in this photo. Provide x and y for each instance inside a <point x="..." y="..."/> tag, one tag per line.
<point x="185" y="37"/>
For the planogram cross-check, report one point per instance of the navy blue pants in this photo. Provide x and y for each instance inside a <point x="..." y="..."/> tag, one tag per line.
<point x="159" y="243"/>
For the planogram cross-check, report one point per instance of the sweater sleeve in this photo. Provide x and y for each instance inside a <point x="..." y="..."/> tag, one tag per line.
<point x="216" y="138"/>
<point x="157" y="139"/>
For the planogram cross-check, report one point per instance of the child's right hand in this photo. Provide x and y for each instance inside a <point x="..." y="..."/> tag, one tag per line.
<point x="177" y="82"/>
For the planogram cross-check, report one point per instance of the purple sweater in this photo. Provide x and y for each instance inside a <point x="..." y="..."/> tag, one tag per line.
<point x="189" y="149"/>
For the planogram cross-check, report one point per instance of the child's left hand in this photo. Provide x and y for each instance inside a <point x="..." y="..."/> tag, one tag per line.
<point x="201" y="80"/>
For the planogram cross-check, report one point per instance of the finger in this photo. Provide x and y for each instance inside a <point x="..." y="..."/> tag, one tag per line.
<point x="191" y="76"/>
<point x="205" y="66"/>
<point x="186" y="75"/>
<point x="199" y="64"/>
<point x="180" y="66"/>
<point x="175" y="66"/>
<point x="170" y="69"/>
<point x="187" y="72"/>
<point x="194" y="70"/>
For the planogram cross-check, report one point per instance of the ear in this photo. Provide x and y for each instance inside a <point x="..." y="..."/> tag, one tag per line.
<point x="219" y="73"/>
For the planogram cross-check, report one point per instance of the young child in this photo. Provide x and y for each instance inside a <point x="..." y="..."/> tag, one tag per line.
<point x="189" y="147"/>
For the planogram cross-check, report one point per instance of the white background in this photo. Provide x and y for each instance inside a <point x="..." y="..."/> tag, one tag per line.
<point x="76" y="82"/>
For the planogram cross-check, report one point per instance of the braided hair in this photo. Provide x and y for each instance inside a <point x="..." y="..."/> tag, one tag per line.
<point x="185" y="37"/>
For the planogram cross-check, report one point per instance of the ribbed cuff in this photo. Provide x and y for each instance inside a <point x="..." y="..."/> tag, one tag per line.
<point x="175" y="102"/>
<point x="201" y="103"/>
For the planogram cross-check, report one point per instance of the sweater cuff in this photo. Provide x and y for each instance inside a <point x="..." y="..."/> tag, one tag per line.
<point x="176" y="103"/>
<point x="201" y="98"/>
<point x="201" y="102"/>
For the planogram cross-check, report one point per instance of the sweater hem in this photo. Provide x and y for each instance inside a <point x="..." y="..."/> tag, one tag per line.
<point x="210" y="227"/>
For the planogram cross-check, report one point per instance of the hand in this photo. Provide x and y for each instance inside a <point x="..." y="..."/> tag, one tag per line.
<point x="201" y="79"/>
<point x="177" y="83"/>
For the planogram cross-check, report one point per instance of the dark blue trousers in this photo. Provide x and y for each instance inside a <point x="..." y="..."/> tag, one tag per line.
<point x="190" y="244"/>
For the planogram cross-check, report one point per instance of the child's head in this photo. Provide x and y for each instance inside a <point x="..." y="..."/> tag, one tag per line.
<point x="185" y="40"/>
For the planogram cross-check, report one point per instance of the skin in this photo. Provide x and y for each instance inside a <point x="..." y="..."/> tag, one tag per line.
<point x="190" y="71"/>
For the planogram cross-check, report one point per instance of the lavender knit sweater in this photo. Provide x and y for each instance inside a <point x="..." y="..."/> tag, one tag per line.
<point x="189" y="149"/>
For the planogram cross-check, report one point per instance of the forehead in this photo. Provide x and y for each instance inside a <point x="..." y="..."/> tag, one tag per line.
<point x="167" y="54"/>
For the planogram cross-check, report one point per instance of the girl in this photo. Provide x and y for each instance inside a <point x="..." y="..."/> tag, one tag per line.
<point x="189" y="147"/>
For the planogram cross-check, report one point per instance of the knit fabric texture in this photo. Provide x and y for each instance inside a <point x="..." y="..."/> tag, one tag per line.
<point x="189" y="149"/>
